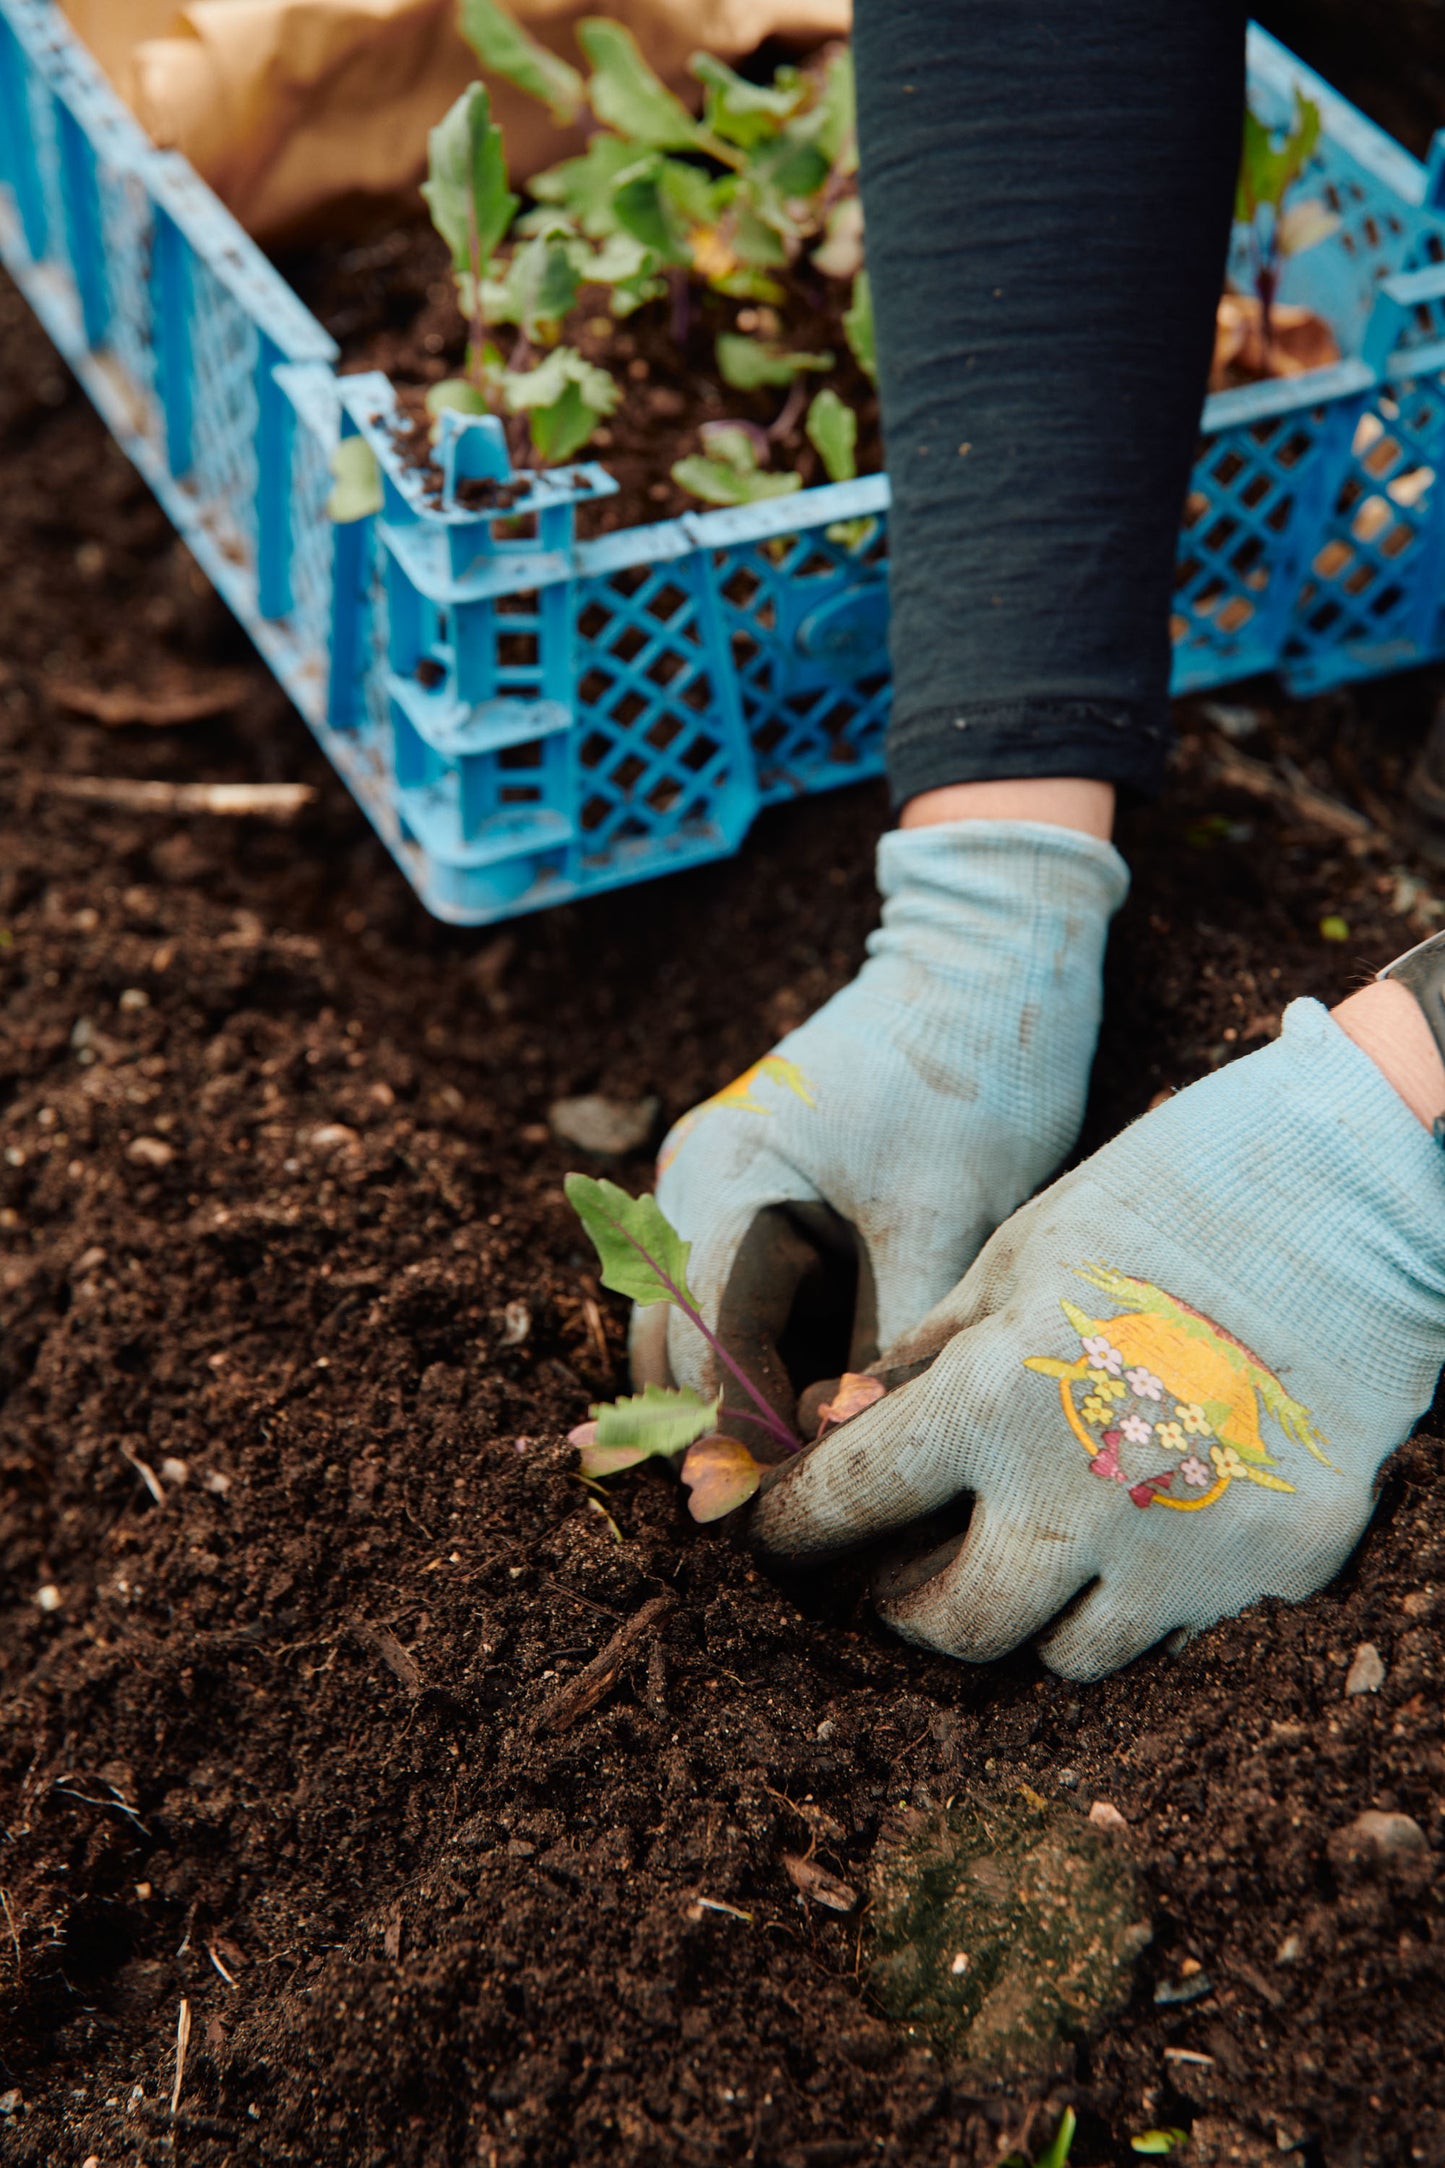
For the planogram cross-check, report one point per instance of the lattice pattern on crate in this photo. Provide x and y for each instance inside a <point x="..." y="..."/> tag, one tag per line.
<point x="1361" y="582"/>
<point x="651" y="756"/>
<point x="1424" y="323"/>
<point x="311" y="544"/>
<point x="224" y="348"/>
<point x="810" y="726"/>
<point x="1234" y="538"/>
<point x="127" y="224"/>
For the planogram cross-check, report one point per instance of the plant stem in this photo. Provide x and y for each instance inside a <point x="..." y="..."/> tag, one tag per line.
<point x="478" y="336"/>
<point x="681" y="305"/>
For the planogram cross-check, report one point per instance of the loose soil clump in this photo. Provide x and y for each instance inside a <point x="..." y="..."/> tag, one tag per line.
<point x="296" y="1572"/>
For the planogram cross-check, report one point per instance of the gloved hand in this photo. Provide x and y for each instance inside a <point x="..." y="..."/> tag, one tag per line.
<point x="1168" y="1381"/>
<point x="907" y="1118"/>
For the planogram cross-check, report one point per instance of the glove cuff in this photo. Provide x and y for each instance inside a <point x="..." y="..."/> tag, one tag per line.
<point x="967" y="860"/>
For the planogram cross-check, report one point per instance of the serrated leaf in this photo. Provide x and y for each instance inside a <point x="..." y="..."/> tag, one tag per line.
<point x="625" y="94"/>
<point x="858" y="327"/>
<point x="466" y="186"/>
<point x="749" y="364"/>
<point x="744" y="113"/>
<point x="720" y="1476"/>
<point x="716" y="482"/>
<point x="832" y="429"/>
<point x="656" y="1423"/>
<point x="641" y="1253"/>
<point x="540" y="285"/>
<point x="501" y="44"/>
<point x="356" y="482"/>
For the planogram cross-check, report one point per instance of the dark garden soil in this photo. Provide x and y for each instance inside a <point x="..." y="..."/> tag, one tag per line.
<point x="294" y="1320"/>
<point x="390" y="304"/>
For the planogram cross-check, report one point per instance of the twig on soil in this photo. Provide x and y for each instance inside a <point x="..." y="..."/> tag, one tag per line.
<point x="597" y="1679"/>
<point x="588" y="1603"/>
<point x="183" y="2041"/>
<point x="1237" y="771"/>
<point x="14" y="1930"/>
<point x="268" y="801"/>
<point x="127" y="705"/>
<point x="391" y="1652"/>
<point x="146" y="1473"/>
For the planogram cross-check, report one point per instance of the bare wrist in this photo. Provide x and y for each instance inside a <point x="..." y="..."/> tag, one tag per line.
<point x="1062" y="801"/>
<point x="1385" y="1022"/>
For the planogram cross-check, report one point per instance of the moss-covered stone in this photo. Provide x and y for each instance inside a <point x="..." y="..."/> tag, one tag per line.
<point x="1004" y="1930"/>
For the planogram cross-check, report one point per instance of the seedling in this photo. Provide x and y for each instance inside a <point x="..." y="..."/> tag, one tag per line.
<point x="1159" y="2141"/>
<point x="1056" y="2153"/>
<point x="729" y="470"/>
<point x="1268" y="171"/>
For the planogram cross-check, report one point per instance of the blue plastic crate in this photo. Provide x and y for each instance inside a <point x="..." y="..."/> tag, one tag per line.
<point x="527" y="717"/>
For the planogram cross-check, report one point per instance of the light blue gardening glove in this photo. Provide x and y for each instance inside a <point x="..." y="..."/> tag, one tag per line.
<point x="1169" y="1381"/>
<point x="908" y="1117"/>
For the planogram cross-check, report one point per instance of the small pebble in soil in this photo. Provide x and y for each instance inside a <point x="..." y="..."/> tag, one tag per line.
<point x="48" y="1596"/>
<point x="516" y="1324"/>
<point x="1375" y="1833"/>
<point x="149" y="1152"/>
<point x="1105" y="1815"/>
<point x="1290" y="1951"/>
<point x="1366" y="1674"/>
<point x="135" y="997"/>
<point x="607" y="1127"/>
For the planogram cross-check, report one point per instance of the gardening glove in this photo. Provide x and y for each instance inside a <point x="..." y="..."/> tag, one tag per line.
<point x="897" y="1127"/>
<point x="1169" y="1381"/>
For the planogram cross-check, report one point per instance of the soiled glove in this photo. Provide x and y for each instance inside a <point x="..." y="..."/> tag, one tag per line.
<point x="1169" y="1380"/>
<point x="907" y="1118"/>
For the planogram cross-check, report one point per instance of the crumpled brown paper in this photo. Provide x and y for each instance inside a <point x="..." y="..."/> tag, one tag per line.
<point x="307" y="115"/>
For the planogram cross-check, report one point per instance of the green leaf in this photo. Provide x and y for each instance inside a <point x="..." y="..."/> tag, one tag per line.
<point x="749" y="364"/>
<point x="626" y="95"/>
<point x="584" y="186"/>
<point x="356" y="480"/>
<point x="1159" y="2141"/>
<point x="716" y="482"/>
<point x="466" y="186"/>
<point x="641" y="1253"/>
<point x="657" y="1422"/>
<point x="564" y="398"/>
<point x="541" y="283"/>
<point x="1056" y="2152"/>
<point x="645" y="213"/>
<point x="456" y="396"/>
<point x="504" y="47"/>
<point x="858" y="326"/>
<point x="745" y="113"/>
<point x="832" y="429"/>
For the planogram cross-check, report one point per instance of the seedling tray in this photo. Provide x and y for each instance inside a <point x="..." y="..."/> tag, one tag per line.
<point x="527" y="717"/>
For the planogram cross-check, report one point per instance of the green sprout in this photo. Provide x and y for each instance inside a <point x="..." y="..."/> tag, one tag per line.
<point x="1268" y="171"/>
<point x="1056" y="2153"/>
<point x="729" y="470"/>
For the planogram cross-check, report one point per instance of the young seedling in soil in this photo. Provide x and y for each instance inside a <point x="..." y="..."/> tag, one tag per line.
<point x="564" y="397"/>
<point x="644" y="1258"/>
<point x="1256" y="336"/>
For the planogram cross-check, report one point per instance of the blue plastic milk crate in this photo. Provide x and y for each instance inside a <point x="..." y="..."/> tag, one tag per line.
<point x="526" y="717"/>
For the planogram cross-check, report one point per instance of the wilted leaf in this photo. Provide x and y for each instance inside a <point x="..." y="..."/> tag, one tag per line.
<point x="856" y="1391"/>
<point x="720" y="1475"/>
<point x="832" y="429"/>
<point x="858" y="326"/>
<point x="466" y="186"/>
<point x="748" y="364"/>
<point x="816" y="1882"/>
<point x="642" y="1255"/>
<point x="626" y="95"/>
<point x="356" y="482"/>
<point x="507" y="49"/>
